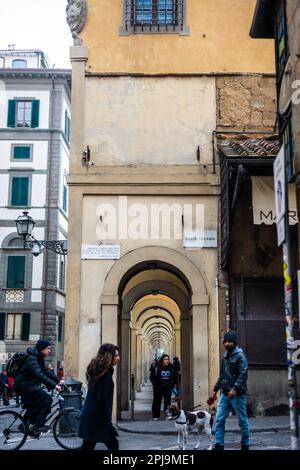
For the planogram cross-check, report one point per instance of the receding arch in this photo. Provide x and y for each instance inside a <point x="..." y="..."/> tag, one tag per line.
<point x="150" y="257"/>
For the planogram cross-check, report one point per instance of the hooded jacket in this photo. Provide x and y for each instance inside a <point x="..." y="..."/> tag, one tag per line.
<point x="234" y="372"/>
<point x="162" y="377"/>
<point x="34" y="373"/>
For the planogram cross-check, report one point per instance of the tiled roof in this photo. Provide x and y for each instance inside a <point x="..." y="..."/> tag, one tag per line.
<point x="249" y="148"/>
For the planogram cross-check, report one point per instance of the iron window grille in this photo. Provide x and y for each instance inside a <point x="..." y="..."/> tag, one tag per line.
<point x="154" y="15"/>
<point x="281" y="39"/>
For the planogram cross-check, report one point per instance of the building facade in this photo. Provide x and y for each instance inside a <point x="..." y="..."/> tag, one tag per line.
<point x="152" y="88"/>
<point x="279" y="21"/>
<point x="34" y="148"/>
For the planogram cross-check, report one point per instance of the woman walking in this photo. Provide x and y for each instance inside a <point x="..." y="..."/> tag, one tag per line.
<point x="95" y="420"/>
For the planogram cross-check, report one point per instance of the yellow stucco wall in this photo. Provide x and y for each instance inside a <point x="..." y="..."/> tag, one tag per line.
<point x="219" y="41"/>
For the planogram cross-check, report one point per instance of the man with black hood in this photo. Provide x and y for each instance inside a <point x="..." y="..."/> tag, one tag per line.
<point x="233" y="383"/>
<point x="27" y="384"/>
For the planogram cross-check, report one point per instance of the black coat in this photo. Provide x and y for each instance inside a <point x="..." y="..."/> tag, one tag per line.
<point x="96" y="414"/>
<point x="34" y="373"/>
<point x="162" y="377"/>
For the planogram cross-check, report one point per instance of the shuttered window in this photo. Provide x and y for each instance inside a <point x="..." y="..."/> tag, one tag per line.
<point x="2" y="325"/>
<point x="20" y="191"/>
<point x="67" y="126"/>
<point x="15" y="272"/>
<point x="17" y="326"/>
<point x="21" y="152"/>
<point x="23" y="113"/>
<point x="25" y="327"/>
<point x="60" y="328"/>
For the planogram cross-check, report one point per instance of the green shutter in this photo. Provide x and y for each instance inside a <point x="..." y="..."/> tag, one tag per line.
<point x="11" y="117"/>
<point x="15" y="272"/>
<point x="2" y="326"/>
<point x="35" y="113"/>
<point x="25" y="327"/>
<point x="19" y="191"/>
<point x="22" y="152"/>
<point x="60" y="324"/>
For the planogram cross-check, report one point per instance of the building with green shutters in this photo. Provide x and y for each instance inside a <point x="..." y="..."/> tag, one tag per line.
<point x="34" y="162"/>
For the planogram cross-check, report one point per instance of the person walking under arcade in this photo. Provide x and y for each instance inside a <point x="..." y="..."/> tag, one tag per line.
<point x="162" y="380"/>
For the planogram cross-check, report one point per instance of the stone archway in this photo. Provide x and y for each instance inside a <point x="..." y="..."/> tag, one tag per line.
<point x="115" y="312"/>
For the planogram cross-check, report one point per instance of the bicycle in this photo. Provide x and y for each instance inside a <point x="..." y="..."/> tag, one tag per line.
<point x="64" y="421"/>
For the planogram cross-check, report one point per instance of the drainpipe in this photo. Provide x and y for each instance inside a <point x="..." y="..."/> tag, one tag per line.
<point x="48" y="204"/>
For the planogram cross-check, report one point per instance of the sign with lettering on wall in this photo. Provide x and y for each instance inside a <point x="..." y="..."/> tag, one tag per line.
<point x="100" y="252"/>
<point x="200" y="239"/>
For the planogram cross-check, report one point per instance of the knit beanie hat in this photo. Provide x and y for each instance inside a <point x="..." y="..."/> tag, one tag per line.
<point x="42" y="344"/>
<point x="231" y="337"/>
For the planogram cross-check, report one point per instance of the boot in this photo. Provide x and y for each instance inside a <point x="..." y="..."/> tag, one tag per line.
<point x="244" y="447"/>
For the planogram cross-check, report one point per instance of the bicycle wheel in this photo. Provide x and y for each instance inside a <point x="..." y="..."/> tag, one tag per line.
<point x="12" y="430"/>
<point x="65" y="430"/>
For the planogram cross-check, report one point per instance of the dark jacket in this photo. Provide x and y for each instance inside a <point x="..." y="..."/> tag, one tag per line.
<point x="96" y="414"/>
<point x="234" y="372"/>
<point x="3" y="382"/>
<point x="162" y="377"/>
<point x="34" y="373"/>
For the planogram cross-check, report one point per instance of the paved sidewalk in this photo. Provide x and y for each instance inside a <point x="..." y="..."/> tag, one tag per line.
<point x="143" y="423"/>
<point x="163" y="427"/>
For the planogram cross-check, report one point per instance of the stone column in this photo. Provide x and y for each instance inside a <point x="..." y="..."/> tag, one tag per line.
<point x="200" y="360"/>
<point x="186" y="359"/>
<point x="109" y="334"/>
<point x="79" y="57"/>
<point x="177" y="342"/>
<point x="125" y="362"/>
<point x="134" y="355"/>
<point x="139" y="362"/>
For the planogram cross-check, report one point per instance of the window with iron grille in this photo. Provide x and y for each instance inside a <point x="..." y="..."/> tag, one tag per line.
<point x="281" y="38"/>
<point x="289" y="144"/>
<point x="156" y="16"/>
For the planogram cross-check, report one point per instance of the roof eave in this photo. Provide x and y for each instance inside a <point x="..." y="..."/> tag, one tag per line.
<point x="263" y="20"/>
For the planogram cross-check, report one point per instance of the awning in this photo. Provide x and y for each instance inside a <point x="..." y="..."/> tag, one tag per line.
<point x="263" y="201"/>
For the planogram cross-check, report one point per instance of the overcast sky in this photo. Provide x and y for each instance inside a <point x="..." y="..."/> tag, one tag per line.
<point x="37" y="24"/>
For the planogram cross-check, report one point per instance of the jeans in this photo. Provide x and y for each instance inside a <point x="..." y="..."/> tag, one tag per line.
<point x="238" y="404"/>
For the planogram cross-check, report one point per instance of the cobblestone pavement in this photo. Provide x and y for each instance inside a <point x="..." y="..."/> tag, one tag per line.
<point x="129" y="441"/>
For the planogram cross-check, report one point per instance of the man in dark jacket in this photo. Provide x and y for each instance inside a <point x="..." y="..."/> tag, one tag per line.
<point x="27" y="384"/>
<point x="233" y="383"/>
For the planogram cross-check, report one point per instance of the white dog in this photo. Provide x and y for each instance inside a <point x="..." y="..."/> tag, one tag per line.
<point x="186" y="422"/>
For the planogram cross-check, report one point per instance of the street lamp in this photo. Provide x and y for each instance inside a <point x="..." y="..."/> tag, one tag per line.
<point x="25" y="225"/>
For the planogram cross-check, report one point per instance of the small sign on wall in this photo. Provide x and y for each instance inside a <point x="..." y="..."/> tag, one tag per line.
<point x="34" y="337"/>
<point x="200" y="239"/>
<point x="100" y="252"/>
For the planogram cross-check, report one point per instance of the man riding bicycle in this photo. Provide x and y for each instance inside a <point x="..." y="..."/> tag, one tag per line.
<point x="27" y="384"/>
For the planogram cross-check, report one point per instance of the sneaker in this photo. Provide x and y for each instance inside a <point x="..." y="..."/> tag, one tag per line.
<point x="33" y="432"/>
<point x="155" y="419"/>
<point x="244" y="447"/>
<point x="44" y="428"/>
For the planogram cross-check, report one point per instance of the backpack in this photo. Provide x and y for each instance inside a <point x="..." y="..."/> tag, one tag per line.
<point x="16" y="363"/>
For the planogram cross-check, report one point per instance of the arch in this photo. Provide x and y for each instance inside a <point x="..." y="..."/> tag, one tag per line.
<point x="9" y="238"/>
<point x="150" y="257"/>
<point x="192" y="302"/>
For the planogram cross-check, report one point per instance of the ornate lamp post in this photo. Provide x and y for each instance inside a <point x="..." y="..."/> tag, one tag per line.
<point x="25" y="225"/>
